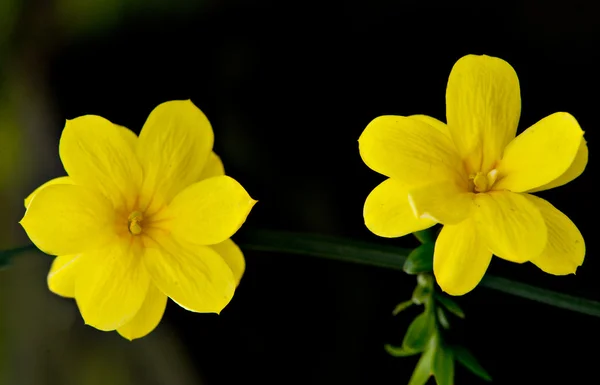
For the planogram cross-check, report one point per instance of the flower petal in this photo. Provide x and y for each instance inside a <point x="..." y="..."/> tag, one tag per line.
<point x="97" y="154"/>
<point x="542" y="153"/>
<point x="444" y="202"/>
<point x="213" y="167"/>
<point x="576" y="169"/>
<point x="565" y="249"/>
<point x="483" y="105"/>
<point x="130" y="137"/>
<point x="148" y="317"/>
<point x="111" y="285"/>
<point x="210" y="211"/>
<point x="433" y="122"/>
<point x="68" y="219"/>
<point x="511" y="225"/>
<point x="61" y="278"/>
<point x="196" y="277"/>
<point x="409" y="150"/>
<point x="387" y="211"/>
<point x="233" y="256"/>
<point x="460" y="258"/>
<point x="174" y="145"/>
<point x="59" y="180"/>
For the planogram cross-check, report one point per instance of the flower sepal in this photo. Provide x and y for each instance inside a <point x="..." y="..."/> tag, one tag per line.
<point x="420" y="260"/>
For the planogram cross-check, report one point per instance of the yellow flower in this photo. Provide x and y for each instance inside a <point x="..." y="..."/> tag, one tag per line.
<point x="140" y="219"/>
<point x="474" y="177"/>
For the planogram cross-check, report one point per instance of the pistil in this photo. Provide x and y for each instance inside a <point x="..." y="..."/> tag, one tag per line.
<point x="483" y="182"/>
<point x="135" y="222"/>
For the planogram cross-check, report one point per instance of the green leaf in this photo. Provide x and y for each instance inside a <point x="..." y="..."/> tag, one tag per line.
<point x="441" y="317"/>
<point x="450" y="305"/>
<point x="425" y="236"/>
<point x="443" y="365"/>
<point x="424" y="368"/>
<point x="390" y="257"/>
<point x="420" y="260"/>
<point x="419" y="332"/>
<point x="399" y="351"/>
<point x="402" y="306"/>
<point x="464" y="357"/>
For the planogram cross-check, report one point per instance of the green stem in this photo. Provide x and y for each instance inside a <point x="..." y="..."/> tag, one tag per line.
<point x="6" y="255"/>
<point x="345" y="250"/>
<point x="560" y="300"/>
<point x="392" y="257"/>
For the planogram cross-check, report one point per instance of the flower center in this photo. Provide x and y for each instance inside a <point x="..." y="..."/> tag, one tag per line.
<point x="483" y="182"/>
<point x="135" y="222"/>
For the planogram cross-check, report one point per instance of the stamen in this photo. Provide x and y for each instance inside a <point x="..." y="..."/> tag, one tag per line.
<point x="484" y="182"/>
<point x="491" y="177"/>
<point x="481" y="182"/>
<point x="135" y="222"/>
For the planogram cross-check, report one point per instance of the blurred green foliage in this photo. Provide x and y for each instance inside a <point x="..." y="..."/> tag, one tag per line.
<point x="8" y="15"/>
<point x="10" y="141"/>
<point x="81" y="17"/>
<point x="29" y="33"/>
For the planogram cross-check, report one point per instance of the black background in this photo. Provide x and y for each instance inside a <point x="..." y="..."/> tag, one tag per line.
<point x="288" y="88"/>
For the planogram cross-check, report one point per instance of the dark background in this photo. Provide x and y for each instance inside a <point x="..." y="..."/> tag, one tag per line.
<point x="288" y="88"/>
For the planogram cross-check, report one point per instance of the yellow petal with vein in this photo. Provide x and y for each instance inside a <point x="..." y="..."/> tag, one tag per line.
<point x="111" y="285"/>
<point x="196" y="277"/>
<point x="511" y="225"/>
<point x="565" y="249"/>
<point x="233" y="256"/>
<point x="210" y="211"/>
<point x="445" y="202"/>
<point x="59" y="180"/>
<point x="460" y="258"/>
<point x="173" y="148"/>
<point x="483" y="106"/>
<point x="214" y="167"/>
<point x="68" y="219"/>
<point x="410" y="151"/>
<point x="576" y="169"/>
<point x="433" y="122"/>
<point x="98" y="154"/>
<point x="387" y="211"/>
<point x="61" y="278"/>
<point x="148" y="317"/>
<point x="541" y="154"/>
